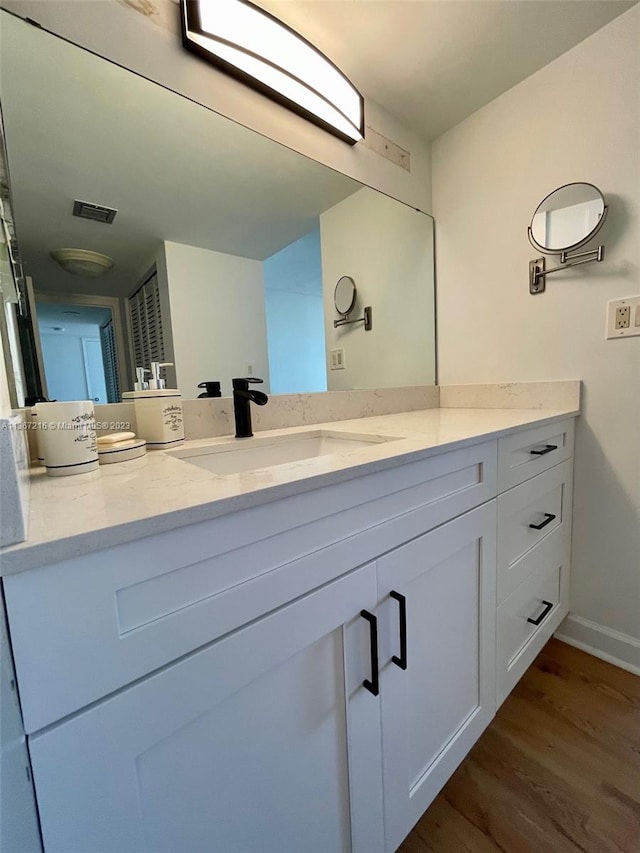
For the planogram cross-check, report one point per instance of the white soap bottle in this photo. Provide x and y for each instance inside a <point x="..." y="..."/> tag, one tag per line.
<point x="159" y="418"/>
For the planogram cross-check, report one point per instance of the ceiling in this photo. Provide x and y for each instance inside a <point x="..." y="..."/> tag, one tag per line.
<point x="431" y="63"/>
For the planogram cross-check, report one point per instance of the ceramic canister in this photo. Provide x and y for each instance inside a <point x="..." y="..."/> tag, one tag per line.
<point x="159" y="418"/>
<point x="68" y="437"/>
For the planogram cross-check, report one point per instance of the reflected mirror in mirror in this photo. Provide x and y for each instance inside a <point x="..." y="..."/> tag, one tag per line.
<point x="567" y="218"/>
<point x="226" y="245"/>
<point x="344" y="296"/>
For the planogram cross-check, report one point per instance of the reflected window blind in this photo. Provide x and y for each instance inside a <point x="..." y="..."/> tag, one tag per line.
<point x="108" y="341"/>
<point x="146" y="323"/>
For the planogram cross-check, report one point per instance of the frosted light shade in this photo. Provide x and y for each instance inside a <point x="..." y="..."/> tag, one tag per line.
<point x="82" y="262"/>
<point x="250" y="44"/>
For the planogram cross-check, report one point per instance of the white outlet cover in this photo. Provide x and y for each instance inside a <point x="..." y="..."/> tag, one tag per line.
<point x="632" y="302"/>
<point x="336" y="359"/>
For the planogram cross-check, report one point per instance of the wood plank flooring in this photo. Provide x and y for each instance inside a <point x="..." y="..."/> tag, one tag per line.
<point x="557" y="771"/>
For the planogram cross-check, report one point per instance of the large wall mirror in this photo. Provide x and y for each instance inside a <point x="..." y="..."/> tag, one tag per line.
<point x="226" y="247"/>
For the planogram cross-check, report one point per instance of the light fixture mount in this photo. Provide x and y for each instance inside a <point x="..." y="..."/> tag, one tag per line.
<point x="253" y="46"/>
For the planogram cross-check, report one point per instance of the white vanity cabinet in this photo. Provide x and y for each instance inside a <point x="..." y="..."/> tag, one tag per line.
<point x="270" y="740"/>
<point x="301" y="676"/>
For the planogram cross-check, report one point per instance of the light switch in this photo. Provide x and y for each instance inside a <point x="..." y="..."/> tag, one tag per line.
<point x="336" y="359"/>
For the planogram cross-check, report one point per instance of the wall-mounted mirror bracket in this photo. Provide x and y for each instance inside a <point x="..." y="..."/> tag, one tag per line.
<point x="564" y="221"/>
<point x="344" y="321"/>
<point x="344" y="299"/>
<point x="537" y="271"/>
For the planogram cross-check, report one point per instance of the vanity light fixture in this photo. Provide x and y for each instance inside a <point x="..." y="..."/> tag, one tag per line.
<point x="250" y="44"/>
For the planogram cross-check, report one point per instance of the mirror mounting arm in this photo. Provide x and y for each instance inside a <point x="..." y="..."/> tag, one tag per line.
<point x="367" y="320"/>
<point x="591" y="255"/>
<point x="537" y="271"/>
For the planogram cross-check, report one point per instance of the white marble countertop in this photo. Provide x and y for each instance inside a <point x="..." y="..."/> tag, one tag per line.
<point x="119" y="503"/>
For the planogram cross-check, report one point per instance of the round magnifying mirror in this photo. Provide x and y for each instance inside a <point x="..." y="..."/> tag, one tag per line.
<point x="567" y="218"/>
<point x="344" y="296"/>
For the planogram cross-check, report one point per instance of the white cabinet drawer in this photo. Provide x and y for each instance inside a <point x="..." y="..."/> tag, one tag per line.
<point x="530" y="615"/>
<point x="115" y="615"/>
<point x="528" y="514"/>
<point x="527" y="453"/>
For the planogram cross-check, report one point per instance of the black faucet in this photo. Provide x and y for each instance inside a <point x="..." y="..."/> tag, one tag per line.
<point x="242" y="397"/>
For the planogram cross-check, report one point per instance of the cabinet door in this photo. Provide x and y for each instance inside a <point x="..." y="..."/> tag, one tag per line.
<point x="435" y="709"/>
<point x="239" y="748"/>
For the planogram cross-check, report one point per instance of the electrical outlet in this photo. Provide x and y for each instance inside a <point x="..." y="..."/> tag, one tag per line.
<point x="336" y="359"/>
<point x="623" y="317"/>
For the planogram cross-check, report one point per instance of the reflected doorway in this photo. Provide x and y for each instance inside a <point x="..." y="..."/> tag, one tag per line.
<point x="78" y="351"/>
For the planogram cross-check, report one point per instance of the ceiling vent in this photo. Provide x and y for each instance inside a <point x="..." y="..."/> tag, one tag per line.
<point x="97" y="212"/>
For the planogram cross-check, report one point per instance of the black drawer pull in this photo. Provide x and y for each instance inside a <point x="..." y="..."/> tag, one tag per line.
<point x="549" y="517"/>
<point x="548" y="606"/>
<point x="372" y="686"/>
<point x="547" y="449"/>
<point x="402" y="614"/>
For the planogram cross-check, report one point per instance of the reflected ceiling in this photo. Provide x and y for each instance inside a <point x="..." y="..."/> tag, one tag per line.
<point x="173" y="169"/>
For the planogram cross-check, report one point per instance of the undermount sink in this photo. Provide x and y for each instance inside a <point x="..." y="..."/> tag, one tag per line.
<point x="253" y="453"/>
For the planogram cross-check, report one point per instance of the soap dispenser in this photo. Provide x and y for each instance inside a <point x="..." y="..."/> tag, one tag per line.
<point x="158" y="410"/>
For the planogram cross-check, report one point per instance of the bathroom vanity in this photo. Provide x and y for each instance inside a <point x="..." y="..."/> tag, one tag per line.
<point x="293" y="658"/>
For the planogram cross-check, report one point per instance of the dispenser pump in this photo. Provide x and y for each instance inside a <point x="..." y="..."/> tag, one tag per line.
<point x="156" y="383"/>
<point x="141" y="383"/>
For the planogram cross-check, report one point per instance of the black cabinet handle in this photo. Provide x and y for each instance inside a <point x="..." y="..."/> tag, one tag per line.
<point x="548" y="606"/>
<point x="372" y="686"/>
<point x="547" y="449"/>
<point x="549" y="517"/>
<point x="402" y="614"/>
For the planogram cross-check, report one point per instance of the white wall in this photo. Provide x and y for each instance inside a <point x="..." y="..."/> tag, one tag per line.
<point x="366" y="237"/>
<point x="295" y="317"/>
<point x="575" y="120"/>
<point x="217" y="317"/>
<point x="150" y="44"/>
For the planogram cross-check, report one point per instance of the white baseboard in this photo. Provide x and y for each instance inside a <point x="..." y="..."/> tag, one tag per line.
<point x="605" y="643"/>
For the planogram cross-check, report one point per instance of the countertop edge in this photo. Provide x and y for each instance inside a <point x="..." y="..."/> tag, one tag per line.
<point x="23" y="557"/>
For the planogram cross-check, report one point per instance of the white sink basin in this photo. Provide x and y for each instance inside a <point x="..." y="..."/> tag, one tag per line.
<point x="249" y="454"/>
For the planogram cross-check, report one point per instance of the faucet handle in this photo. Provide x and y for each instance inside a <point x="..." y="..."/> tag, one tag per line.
<point x="242" y="382"/>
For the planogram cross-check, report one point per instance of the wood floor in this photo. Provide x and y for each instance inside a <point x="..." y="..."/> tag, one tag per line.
<point x="557" y="770"/>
